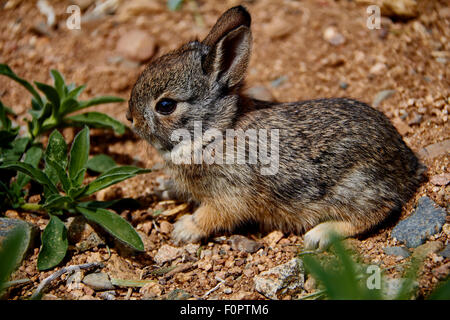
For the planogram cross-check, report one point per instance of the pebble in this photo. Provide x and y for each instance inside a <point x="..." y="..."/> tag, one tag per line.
<point x="278" y="81"/>
<point x="7" y="225"/>
<point x="178" y="294"/>
<point x="98" y="281"/>
<point x="343" y="85"/>
<point x="167" y="253"/>
<point x="241" y="243"/>
<point x="165" y="227"/>
<point x="82" y="235"/>
<point x="151" y="290"/>
<point x="136" y="45"/>
<point x="278" y="280"/>
<point x="260" y="93"/>
<point x="381" y="96"/>
<point x="426" y="220"/>
<point x="440" y="179"/>
<point x="435" y="150"/>
<point x="378" y="68"/>
<point x="278" y="28"/>
<point x="332" y="36"/>
<point x="397" y="251"/>
<point x="443" y="271"/>
<point x="272" y="238"/>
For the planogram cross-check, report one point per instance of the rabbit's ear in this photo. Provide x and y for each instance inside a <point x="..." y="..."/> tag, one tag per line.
<point x="230" y="43"/>
<point x="227" y="61"/>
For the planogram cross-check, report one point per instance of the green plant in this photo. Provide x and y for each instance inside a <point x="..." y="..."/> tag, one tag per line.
<point x="11" y="250"/>
<point x="59" y="101"/>
<point x="64" y="192"/>
<point x="342" y="278"/>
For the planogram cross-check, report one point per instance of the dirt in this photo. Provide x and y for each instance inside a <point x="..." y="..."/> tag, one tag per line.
<point x="408" y="56"/>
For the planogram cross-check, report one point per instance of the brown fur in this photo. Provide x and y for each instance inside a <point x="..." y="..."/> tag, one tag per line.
<point x="343" y="167"/>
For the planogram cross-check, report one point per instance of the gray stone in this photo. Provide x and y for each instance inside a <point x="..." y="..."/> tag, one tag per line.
<point x="397" y="251"/>
<point x="98" y="281"/>
<point x="426" y="220"/>
<point x="241" y="243"/>
<point x="287" y="277"/>
<point x="7" y="225"/>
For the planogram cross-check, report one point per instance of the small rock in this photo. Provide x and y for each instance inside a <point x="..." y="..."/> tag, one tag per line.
<point x="281" y="279"/>
<point x="260" y="93"/>
<point x="83" y="4"/>
<point x="151" y="291"/>
<point x="404" y="9"/>
<point x="426" y="220"/>
<point x="401" y="126"/>
<point x="136" y="45"/>
<point x="98" y="281"/>
<point x="445" y="252"/>
<point x="178" y="294"/>
<point x="332" y="36"/>
<point x="241" y="243"/>
<point x="108" y="295"/>
<point x="397" y="251"/>
<point x="110" y="193"/>
<point x="435" y="150"/>
<point x="7" y="225"/>
<point x="165" y="227"/>
<point x="424" y="250"/>
<point x="278" y="28"/>
<point x="272" y="238"/>
<point x="378" y="68"/>
<point x="131" y="9"/>
<point x="343" y="85"/>
<point x="381" y="96"/>
<point x="82" y="235"/>
<point x="167" y="253"/>
<point x="417" y="119"/>
<point x="442" y="272"/>
<point x="227" y="290"/>
<point x="278" y="81"/>
<point x="310" y="284"/>
<point x="192" y="248"/>
<point x="440" y="179"/>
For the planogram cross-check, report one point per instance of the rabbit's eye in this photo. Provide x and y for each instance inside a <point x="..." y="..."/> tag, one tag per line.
<point x="166" y="106"/>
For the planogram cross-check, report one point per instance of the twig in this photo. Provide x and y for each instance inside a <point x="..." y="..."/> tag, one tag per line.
<point x="314" y="294"/>
<point x="46" y="282"/>
<point x="180" y="268"/>
<point x="221" y="282"/>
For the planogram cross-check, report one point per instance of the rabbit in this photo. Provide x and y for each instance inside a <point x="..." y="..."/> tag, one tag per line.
<point x="342" y="169"/>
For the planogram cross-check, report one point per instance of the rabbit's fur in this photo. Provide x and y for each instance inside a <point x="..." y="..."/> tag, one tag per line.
<point x="343" y="167"/>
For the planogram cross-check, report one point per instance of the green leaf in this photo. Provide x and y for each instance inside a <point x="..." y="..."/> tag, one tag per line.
<point x="32" y="172"/>
<point x="100" y="163"/>
<point x="442" y="292"/>
<point x="98" y="100"/>
<point x="32" y="157"/>
<point x="11" y="252"/>
<point x="111" y="177"/>
<point x="54" y="244"/>
<point x="57" y="201"/>
<point x="74" y="93"/>
<point x="115" y="225"/>
<point x="59" y="82"/>
<point x="61" y="174"/>
<point x="68" y="106"/>
<point x="79" y="154"/>
<point x="57" y="149"/>
<point x="51" y="94"/>
<point x="6" y="70"/>
<point x="15" y="150"/>
<point x="98" y="120"/>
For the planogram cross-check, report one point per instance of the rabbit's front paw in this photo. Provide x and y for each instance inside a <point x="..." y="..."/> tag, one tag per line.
<point x="185" y="230"/>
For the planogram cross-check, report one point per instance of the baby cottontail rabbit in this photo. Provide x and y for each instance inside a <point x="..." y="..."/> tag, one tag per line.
<point x="341" y="166"/>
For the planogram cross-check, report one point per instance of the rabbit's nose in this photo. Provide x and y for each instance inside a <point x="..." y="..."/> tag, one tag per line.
<point x="129" y="116"/>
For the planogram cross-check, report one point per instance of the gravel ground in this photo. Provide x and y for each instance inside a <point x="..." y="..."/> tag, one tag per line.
<point x="302" y="50"/>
